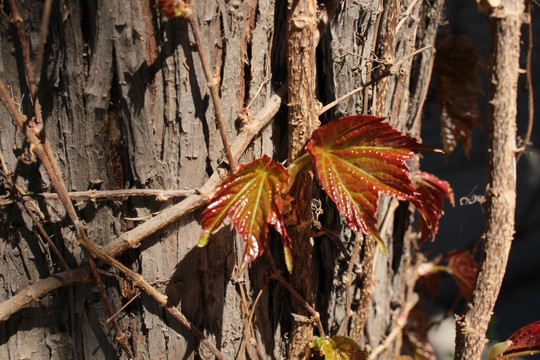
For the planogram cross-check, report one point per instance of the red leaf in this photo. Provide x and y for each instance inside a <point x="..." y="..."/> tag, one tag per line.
<point x="456" y="64"/>
<point x="462" y="266"/>
<point x="170" y="8"/>
<point x="415" y="333"/>
<point x="431" y="192"/>
<point x="252" y="198"/>
<point x="356" y="157"/>
<point x="430" y="282"/>
<point x="525" y="341"/>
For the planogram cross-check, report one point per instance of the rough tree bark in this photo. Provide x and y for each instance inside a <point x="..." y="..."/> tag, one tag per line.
<point x="125" y="105"/>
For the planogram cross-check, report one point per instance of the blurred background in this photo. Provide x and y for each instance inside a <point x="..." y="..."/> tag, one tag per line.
<point x="462" y="226"/>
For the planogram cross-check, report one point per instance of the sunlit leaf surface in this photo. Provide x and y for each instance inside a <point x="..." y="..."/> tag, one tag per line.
<point x="356" y="157"/>
<point x="252" y="198"/>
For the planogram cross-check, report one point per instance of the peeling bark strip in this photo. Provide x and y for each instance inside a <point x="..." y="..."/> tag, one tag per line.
<point x="505" y="24"/>
<point x="302" y="28"/>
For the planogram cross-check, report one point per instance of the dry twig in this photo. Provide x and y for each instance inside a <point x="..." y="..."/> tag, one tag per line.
<point x="275" y="274"/>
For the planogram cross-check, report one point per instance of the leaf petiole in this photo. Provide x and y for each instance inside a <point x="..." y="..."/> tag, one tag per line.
<point x="296" y="166"/>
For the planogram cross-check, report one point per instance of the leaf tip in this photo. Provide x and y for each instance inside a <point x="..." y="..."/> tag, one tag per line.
<point x="203" y="240"/>
<point x="498" y="349"/>
<point x="288" y="258"/>
<point x="380" y="242"/>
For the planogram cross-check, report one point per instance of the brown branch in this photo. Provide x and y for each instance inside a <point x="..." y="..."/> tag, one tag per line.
<point x="397" y="329"/>
<point x="41" y="288"/>
<point x="17" y="21"/>
<point x="63" y="262"/>
<point x="133" y="237"/>
<point x="110" y="318"/>
<point x="302" y="120"/>
<point x="160" y="195"/>
<point x="410" y="301"/>
<point x="390" y="71"/>
<point x="42" y="38"/>
<point x="505" y="24"/>
<point x="29" y="211"/>
<point x="120" y="336"/>
<point x="366" y="288"/>
<point x="248" y="329"/>
<point x="212" y="82"/>
<point x="139" y="281"/>
<point x="347" y="281"/>
<point x="275" y="274"/>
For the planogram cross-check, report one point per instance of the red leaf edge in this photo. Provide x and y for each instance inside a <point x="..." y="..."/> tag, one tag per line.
<point x="334" y="137"/>
<point x="525" y="341"/>
<point x="211" y="223"/>
<point x="431" y="193"/>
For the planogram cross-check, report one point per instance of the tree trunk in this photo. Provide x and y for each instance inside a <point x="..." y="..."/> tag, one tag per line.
<point x="126" y="105"/>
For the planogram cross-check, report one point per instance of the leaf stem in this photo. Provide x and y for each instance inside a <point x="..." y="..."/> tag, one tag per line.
<point x="297" y="165"/>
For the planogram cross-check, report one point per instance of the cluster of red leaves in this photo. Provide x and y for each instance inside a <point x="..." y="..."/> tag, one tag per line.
<point x="456" y="65"/>
<point x="355" y="158"/>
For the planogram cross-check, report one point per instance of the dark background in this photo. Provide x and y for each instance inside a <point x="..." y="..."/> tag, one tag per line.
<point x="462" y="226"/>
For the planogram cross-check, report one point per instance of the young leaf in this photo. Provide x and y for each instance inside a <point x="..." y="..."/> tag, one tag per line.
<point x="462" y="266"/>
<point x="252" y="198"/>
<point x="356" y="157"/>
<point x="170" y="8"/>
<point x="456" y="65"/>
<point x="525" y="341"/>
<point x="338" y="347"/>
<point x="431" y="192"/>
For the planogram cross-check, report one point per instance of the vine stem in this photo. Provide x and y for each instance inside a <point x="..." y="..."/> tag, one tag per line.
<point x="120" y="336"/>
<point x="29" y="211"/>
<point x="92" y="195"/>
<point x="133" y="237"/>
<point x="392" y="70"/>
<point x="139" y="281"/>
<point x="505" y="24"/>
<point x="212" y="82"/>
<point x="46" y="157"/>
<point x="276" y="275"/>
